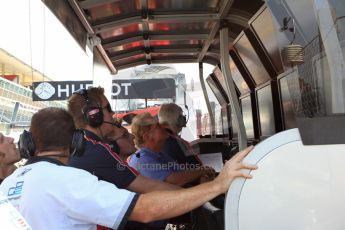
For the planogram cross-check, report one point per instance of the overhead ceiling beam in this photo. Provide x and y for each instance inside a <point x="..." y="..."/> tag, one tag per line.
<point x="183" y="18"/>
<point x="103" y="27"/>
<point x="172" y="60"/>
<point x="158" y="49"/>
<point x="80" y="13"/>
<point x="158" y="18"/>
<point x="222" y="14"/>
<point x="168" y="50"/>
<point x="159" y="37"/>
<point x="215" y="51"/>
<point x="122" y="42"/>
<point x="211" y="61"/>
<point x="158" y="61"/>
<point x="126" y="55"/>
<point x="236" y="18"/>
<point x="87" y="4"/>
<point x="208" y="42"/>
<point x="176" y="37"/>
<point x="131" y="64"/>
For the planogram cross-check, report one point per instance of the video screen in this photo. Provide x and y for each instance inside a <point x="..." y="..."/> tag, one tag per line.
<point x="265" y="29"/>
<point x="225" y="121"/>
<point x="287" y="104"/>
<point x="238" y="78"/>
<point x="246" y="105"/>
<point x="220" y="77"/>
<point x="251" y="60"/>
<point x="222" y="101"/>
<point x="266" y="114"/>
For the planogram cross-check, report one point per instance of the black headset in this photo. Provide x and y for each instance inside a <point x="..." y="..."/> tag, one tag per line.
<point x="181" y="121"/>
<point x="93" y="114"/>
<point x="27" y="146"/>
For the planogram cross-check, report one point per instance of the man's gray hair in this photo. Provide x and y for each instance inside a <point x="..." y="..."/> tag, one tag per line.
<point x="169" y="113"/>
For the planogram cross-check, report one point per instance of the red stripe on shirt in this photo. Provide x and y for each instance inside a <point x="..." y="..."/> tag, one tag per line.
<point x="102" y="228"/>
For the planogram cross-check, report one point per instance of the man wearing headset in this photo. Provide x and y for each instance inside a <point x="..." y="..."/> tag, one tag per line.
<point x="171" y="117"/>
<point x="91" y="111"/>
<point x="52" y="196"/>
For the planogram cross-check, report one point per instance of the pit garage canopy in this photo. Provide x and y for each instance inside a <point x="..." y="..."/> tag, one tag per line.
<point x="135" y="32"/>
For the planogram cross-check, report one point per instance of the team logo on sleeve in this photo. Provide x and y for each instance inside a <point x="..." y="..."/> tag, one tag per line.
<point x="24" y="172"/>
<point x="17" y="190"/>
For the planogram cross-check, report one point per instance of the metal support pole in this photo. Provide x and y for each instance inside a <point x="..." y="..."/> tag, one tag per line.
<point x="14" y="115"/>
<point x="210" y="111"/>
<point x="235" y="106"/>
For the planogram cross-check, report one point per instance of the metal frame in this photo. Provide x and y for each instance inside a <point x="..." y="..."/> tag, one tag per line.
<point x="208" y="104"/>
<point x="89" y="29"/>
<point x="235" y="107"/>
<point x="87" y="4"/>
<point x="224" y="9"/>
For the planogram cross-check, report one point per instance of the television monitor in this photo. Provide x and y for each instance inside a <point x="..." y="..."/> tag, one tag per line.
<point x="220" y="77"/>
<point x="216" y="91"/>
<point x="225" y="121"/>
<point x="265" y="111"/>
<point x="251" y="60"/>
<point x="264" y="27"/>
<point x="238" y="79"/>
<point x="286" y="100"/>
<point x="246" y="105"/>
<point x="233" y="125"/>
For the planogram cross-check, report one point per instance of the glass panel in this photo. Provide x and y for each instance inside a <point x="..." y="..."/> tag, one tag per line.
<point x="116" y="8"/>
<point x="122" y="31"/>
<point x="196" y="27"/>
<point x="190" y="5"/>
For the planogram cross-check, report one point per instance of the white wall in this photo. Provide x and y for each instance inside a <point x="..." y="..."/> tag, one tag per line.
<point x="53" y="50"/>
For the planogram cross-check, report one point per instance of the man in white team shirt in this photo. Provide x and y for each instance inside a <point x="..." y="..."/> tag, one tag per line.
<point x="52" y="196"/>
<point x="10" y="218"/>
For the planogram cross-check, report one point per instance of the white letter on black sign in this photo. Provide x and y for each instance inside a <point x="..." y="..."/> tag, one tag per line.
<point x="118" y="90"/>
<point x="126" y="87"/>
<point x="66" y="91"/>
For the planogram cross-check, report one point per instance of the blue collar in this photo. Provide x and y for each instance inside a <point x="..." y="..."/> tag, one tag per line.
<point x="146" y="151"/>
